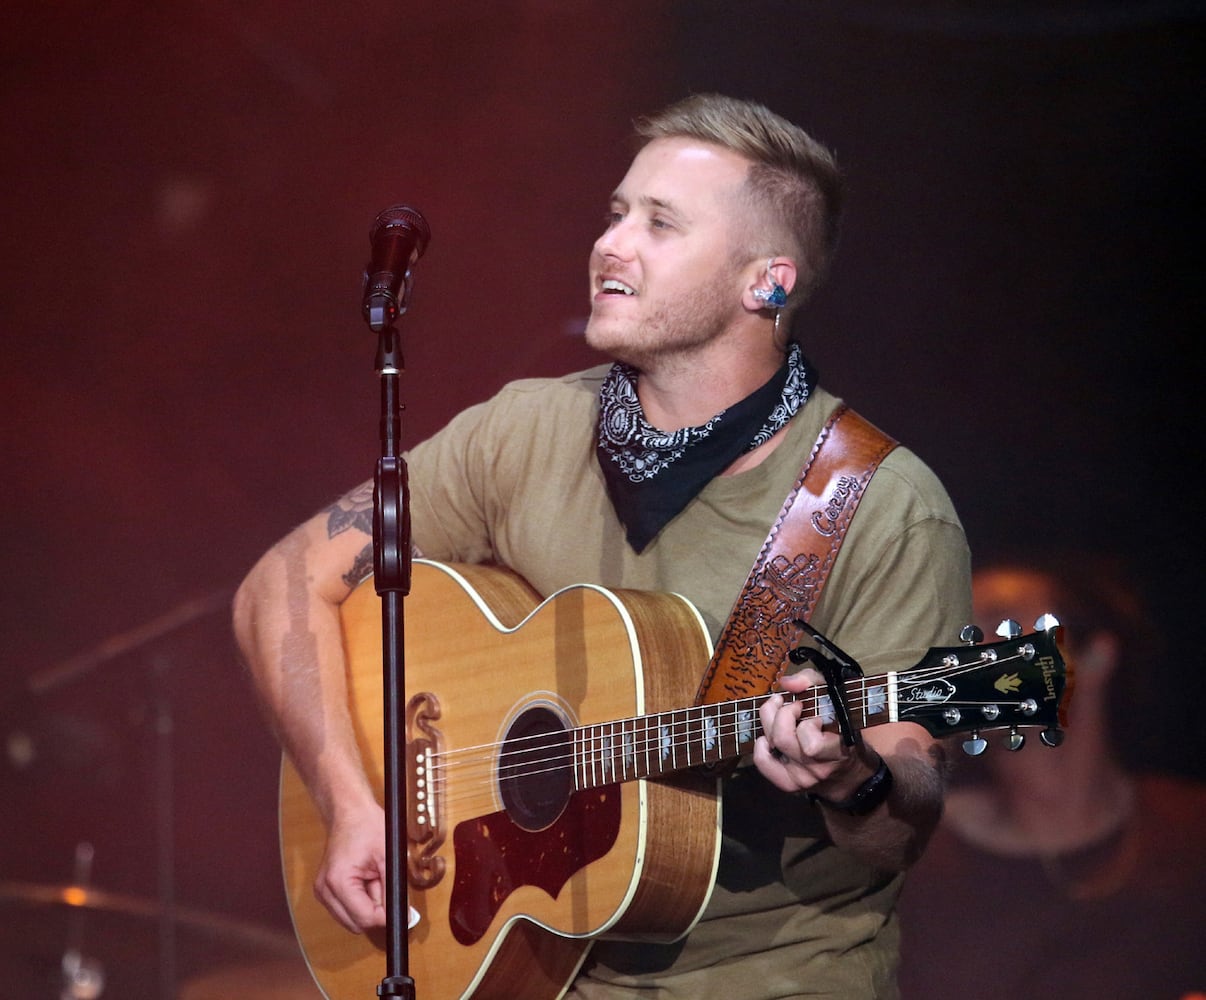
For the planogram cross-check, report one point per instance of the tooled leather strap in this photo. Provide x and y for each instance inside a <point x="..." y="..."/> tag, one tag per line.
<point x="795" y="560"/>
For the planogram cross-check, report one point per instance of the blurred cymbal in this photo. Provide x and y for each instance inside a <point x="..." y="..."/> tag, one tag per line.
<point x="122" y="936"/>
<point x="86" y="898"/>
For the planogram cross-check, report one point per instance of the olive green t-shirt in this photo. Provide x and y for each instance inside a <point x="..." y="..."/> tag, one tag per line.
<point x="516" y="481"/>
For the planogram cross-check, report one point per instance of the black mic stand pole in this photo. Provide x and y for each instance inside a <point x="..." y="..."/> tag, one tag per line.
<point x="391" y="570"/>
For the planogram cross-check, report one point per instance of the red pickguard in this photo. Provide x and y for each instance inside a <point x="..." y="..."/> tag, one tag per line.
<point x="495" y="856"/>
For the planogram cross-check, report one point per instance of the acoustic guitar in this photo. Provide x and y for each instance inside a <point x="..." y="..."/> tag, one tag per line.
<point x="557" y="787"/>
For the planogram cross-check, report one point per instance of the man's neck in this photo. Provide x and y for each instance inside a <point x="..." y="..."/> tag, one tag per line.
<point x="687" y="391"/>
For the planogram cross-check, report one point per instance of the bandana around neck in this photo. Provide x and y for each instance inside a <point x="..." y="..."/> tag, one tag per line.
<point x="652" y="475"/>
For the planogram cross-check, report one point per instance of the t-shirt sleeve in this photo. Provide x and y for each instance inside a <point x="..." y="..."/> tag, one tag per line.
<point x="902" y="582"/>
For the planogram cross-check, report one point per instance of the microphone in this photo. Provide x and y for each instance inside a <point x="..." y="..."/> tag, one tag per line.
<point x="398" y="237"/>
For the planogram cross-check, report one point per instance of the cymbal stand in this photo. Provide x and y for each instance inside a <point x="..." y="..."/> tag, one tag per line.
<point x="164" y="761"/>
<point x="83" y="977"/>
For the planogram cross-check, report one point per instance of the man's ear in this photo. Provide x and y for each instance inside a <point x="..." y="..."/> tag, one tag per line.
<point x="779" y="271"/>
<point x="782" y="271"/>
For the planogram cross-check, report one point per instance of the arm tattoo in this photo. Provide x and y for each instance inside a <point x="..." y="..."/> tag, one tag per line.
<point x="352" y="512"/>
<point x="362" y="568"/>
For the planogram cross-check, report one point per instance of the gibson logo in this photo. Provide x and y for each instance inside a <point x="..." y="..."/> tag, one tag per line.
<point x="826" y="521"/>
<point x="1047" y="666"/>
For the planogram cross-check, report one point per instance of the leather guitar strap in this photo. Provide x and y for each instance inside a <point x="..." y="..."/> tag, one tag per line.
<point x="795" y="560"/>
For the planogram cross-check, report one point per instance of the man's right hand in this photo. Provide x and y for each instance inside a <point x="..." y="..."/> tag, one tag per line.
<point x="351" y="879"/>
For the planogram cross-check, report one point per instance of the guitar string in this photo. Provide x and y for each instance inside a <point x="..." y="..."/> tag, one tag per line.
<point x="656" y="723"/>
<point x="648" y="734"/>
<point x="596" y="769"/>
<point x="638" y="759"/>
<point x="862" y="700"/>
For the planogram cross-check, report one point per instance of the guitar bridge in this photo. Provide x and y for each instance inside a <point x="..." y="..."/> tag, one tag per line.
<point x="425" y="815"/>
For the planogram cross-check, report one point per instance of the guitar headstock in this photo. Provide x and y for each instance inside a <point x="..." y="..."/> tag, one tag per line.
<point x="1018" y="682"/>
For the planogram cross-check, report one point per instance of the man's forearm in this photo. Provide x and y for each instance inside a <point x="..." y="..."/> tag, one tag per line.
<point x="288" y="628"/>
<point x="893" y="835"/>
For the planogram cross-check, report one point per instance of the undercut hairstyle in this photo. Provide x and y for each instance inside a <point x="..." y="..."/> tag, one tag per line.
<point x="794" y="187"/>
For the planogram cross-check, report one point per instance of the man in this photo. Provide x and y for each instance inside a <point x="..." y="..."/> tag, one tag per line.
<point x="1066" y="872"/>
<point x="665" y="472"/>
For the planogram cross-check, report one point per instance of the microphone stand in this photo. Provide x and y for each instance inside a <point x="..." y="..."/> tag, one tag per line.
<point x="392" y="571"/>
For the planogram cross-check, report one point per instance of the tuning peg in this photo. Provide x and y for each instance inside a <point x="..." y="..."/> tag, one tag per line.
<point x="975" y="744"/>
<point x="1009" y="629"/>
<point x="1051" y="737"/>
<point x="1014" y="740"/>
<point x="1044" y="623"/>
<point x="971" y="634"/>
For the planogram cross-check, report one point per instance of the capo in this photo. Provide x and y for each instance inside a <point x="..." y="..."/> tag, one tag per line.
<point x="837" y="667"/>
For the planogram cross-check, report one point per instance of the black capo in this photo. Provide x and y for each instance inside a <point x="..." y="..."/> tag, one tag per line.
<point x="836" y="667"/>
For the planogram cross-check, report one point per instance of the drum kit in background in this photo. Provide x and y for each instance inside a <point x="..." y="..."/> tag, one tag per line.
<point x="143" y="799"/>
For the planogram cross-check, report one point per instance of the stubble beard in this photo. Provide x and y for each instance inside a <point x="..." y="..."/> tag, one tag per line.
<point x="670" y="334"/>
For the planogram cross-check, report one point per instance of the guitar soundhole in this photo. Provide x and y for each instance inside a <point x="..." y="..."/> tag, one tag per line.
<point x="536" y="769"/>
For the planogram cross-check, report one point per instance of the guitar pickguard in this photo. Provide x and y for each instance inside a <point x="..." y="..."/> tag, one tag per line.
<point x="495" y="856"/>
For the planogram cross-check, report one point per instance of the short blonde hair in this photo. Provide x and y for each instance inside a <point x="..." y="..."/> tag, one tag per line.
<point x="793" y="185"/>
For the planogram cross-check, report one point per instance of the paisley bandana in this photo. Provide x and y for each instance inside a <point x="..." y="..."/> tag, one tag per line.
<point x="652" y="475"/>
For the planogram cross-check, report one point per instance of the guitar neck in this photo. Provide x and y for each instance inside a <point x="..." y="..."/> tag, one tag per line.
<point x="652" y="746"/>
<point x="1019" y="682"/>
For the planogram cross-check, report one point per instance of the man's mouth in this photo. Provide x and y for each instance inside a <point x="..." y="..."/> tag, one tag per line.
<point x="612" y="287"/>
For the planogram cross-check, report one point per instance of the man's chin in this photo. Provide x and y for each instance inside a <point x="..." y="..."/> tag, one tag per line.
<point x="602" y="337"/>
<point x="620" y="342"/>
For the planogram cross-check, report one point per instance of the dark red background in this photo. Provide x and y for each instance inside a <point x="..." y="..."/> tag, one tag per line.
<point x="187" y="193"/>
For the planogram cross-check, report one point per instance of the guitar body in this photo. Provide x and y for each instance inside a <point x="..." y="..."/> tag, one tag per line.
<point x="512" y="882"/>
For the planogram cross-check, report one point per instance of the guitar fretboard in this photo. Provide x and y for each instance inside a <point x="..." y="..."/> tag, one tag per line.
<point x="650" y="746"/>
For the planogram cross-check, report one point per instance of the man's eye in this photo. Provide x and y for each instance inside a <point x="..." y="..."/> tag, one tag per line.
<point x="613" y="218"/>
<point x="659" y="223"/>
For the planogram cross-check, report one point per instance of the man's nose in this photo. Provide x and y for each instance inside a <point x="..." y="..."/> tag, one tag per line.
<point x="615" y="241"/>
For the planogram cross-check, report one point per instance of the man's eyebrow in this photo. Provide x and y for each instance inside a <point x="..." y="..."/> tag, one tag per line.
<point x="648" y="200"/>
<point x="659" y="204"/>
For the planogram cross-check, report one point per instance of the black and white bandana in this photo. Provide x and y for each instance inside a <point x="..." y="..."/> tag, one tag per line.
<point x="652" y="475"/>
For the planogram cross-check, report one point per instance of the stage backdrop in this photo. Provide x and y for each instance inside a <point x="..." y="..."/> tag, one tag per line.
<point x="187" y="194"/>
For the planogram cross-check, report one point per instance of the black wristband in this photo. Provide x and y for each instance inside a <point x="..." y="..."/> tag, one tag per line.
<point x="866" y="797"/>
